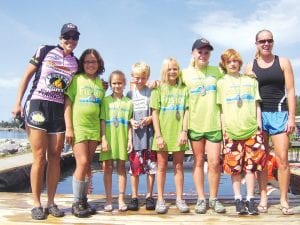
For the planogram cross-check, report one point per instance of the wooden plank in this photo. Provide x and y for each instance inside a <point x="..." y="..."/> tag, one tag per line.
<point x="15" y="209"/>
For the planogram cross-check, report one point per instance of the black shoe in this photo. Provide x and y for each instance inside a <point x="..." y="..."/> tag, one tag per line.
<point x="251" y="207"/>
<point x="54" y="211"/>
<point x="133" y="204"/>
<point x="38" y="213"/>
<point x="91" y="210"/>
<point x="150" y="203"/>
<point x="240" y="207"/>
<point x="79" y="210"/>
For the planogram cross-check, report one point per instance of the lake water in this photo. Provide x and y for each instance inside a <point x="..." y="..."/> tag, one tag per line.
<point x="12" y="134"/>
<point x="97" y="186"/>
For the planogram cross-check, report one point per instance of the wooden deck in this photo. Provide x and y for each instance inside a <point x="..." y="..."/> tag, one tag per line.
<point x="15" y="209"/>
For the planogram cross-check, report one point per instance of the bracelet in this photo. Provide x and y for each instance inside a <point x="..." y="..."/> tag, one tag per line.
<point x="158" y="137"/>
<point x="185" y="131"/>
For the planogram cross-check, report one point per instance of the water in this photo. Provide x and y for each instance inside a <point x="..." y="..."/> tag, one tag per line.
<point x="97" y="186"/>
<point x="12" y="134"/>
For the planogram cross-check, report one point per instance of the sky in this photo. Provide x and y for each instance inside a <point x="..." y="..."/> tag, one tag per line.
<point x="129" y="31"/>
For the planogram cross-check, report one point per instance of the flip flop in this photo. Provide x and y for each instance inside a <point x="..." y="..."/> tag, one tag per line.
<point x="262" y="209"/>
<point x="286" y="210"/>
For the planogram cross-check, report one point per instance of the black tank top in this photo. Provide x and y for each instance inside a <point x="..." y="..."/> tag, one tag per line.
<point x="271" y="87"/>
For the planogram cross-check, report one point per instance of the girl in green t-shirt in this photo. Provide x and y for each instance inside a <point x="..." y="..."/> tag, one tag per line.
<point x="169" y="105"/>
<point x="82" y="115"/>
<point x="116" y="112"/>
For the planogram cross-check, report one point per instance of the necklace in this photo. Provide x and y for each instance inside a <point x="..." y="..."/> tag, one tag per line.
<point x="239" y="99"/>
<point x="203" y="85"/>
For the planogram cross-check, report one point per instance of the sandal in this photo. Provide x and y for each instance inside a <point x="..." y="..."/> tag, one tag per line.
<point x="54" y="211"/>
<point x="262" y="209"/>
<point x="122" y="207"/>
<point x="37" y="213"/>
<point x="108" y="208"/>
<point x="286" y="210"/>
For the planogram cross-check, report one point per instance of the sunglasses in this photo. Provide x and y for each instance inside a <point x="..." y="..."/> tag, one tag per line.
<point x="203" y="52"/>
<point x="68" y="37"/>
<point x="270" y="41"/>
<point x="90" y="62"/>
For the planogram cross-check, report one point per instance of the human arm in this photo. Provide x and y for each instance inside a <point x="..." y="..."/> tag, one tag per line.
<point x="68" y="120"/>
<point x="290" y="88"/>
<point x="129" y="144"/>
<point x="156" y="125"/>
<point x="183" y="138"/>
<point x="17" y="110"/>
<point x="104" y="143"/>
<point x="258" y="116"/>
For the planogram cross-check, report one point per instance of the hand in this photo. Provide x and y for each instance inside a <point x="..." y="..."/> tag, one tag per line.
<point x="183" y="139"/>
<point x="105" y="84"/>
<point x="153" y="84"/>
<point x="129" y="147"/>
<point x="69" y="136"/>
<point x="160" y="142"/>
<point x="104" y="145"/>
<point x="290" y="126"/>
<point x="17" y="111"/>
<point x="135" y="124"/>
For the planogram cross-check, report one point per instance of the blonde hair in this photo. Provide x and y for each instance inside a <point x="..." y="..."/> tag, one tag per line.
<point x="164" y="71"/>
<point x="140" y="68"/>
<point x="257" y="53"/>
<point x="227" y="55"/>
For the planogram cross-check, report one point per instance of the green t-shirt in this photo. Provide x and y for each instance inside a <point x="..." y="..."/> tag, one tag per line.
<point x="113" y="110"/>
<point x="204" y="113"/>
<point x="169" y="100"/>
<point x="86" y="95"/>
<point x="240" y="122"/>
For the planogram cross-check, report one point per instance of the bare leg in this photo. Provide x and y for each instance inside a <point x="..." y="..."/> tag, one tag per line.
<point x="214" y="169"/>
<point x="281" y="146"/>
<point x="250" y="183"/>
<point x="107" y="179"/>
<point x="162" y="162"/>
<point x="122" y="181"/>
<point x="134" y="185"/>
<point x="263" y="176"/>
<point x="178" y="173"/>
<point x="38" y="142"/>
<point x="236" y="184"/>
<point x="198" y="168"/>
<point x="150" y="184"/>
<point x="55" y="147"/>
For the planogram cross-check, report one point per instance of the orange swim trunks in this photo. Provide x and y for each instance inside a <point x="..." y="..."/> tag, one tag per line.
<point x="244" y="155"/>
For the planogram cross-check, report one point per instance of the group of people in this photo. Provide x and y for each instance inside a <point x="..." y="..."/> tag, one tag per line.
<point x="215" y="110"/>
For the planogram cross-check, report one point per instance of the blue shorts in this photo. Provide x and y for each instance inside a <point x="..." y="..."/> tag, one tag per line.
<point x="45" y="115"/>
<point x="274" y="122"/>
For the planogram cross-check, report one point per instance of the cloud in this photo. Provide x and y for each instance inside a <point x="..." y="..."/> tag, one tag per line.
<point x="9" y="83"/>
<point x="225" y="28"/>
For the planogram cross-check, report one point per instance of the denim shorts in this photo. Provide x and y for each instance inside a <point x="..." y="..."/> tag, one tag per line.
<point x="274" y="122"/>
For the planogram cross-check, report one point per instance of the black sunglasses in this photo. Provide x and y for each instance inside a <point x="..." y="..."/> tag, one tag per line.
<point x="68" y="37"/>
<point x="270" y="41"/>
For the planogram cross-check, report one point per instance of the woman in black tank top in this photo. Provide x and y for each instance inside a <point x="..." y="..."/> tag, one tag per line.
<point x="277" y="90"/>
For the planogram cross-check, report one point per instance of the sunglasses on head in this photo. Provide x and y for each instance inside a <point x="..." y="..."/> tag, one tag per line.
<point x="68" y="37"/>
<point x="270" y="41"/>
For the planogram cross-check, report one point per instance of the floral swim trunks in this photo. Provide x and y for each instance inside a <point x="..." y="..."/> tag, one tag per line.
<point x="142" y="162"/>
<point x="244" y="155"/>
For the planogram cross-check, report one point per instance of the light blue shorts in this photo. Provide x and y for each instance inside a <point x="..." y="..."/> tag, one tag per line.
<point x="274" y="122"/>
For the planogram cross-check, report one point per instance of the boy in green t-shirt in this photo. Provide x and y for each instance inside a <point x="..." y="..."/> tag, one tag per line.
<point x="243" y="149"/>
